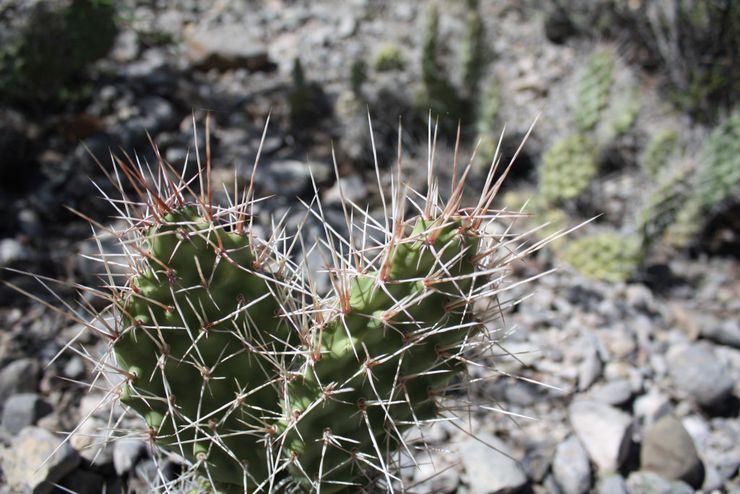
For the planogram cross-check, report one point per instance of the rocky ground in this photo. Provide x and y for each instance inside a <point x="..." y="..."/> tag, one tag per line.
<point x="598" y="387"/>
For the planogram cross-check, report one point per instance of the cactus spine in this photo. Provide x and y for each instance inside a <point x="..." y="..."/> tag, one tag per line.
<point x="240" y="367"/>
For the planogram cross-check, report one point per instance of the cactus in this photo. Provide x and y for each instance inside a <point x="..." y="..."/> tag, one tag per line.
<point x="473" y="54"/>
<point x="607" y="256"/>
<point x="489" y="108"/>
<point x="592" y="92"/>
<point x="238" y="365"/>
<point x="623" y="113"/>
<point x="388" y="58"/>
<point x="437" y="92"/>
<point x="716" y="181"/>
<point x="357" y="77"/>
<point x="567" y="168"/>
<point x="659" y="152"/>
<point x="55" y="45"/>
<point x="663" y="203"/>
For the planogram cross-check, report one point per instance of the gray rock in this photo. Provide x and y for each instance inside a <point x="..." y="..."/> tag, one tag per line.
<point x="537" y="460"/>
<point x="435" y="475"/>
<point x="589" y="370"/>
<point x="571" y="467"/>
<point x="613" y="484"/>
<point x="696" y="372"/>
<point x="126" y="452"/>
<point x="226" y="47"/>
<point x="651" y="406"/>
<point x="668" y="450"/>
<point x="89" y="441"/>
<point x="22" y="410"/>
<point x="603" y="431"/>
<point x="19" y="376"/>
<point x="726" y="332"/>
<point x="290" y="178"/>
<point x="612" y="393"/>
<point x="652" y="483"/>
<point x="36" y="459"/>
<point x="353" y="189"/>
<point x="490" y="466"/>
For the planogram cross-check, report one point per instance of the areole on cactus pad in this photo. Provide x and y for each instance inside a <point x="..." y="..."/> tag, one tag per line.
<point x="240" y="366"/>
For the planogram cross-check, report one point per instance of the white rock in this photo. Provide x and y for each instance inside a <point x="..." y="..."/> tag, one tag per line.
<point x="571" y="467"/>
<point x="36" y="459"/>
<point x="604" y="432"/>
<point x="490" y="467"/>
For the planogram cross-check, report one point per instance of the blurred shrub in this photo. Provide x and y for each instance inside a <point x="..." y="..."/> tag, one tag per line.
<point x="388" y="58"/>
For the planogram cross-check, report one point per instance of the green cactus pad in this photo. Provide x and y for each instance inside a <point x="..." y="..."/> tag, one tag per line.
<point x="593" y="90"/>
<point x="659" y="152"/>
<point x="567" y="169"/>
<point x="200" y="318"/>
<point x="607" y="256"/>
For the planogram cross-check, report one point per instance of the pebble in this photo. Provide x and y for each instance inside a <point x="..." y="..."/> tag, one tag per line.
<point x="668" y="450"/>
<point x="604" y="432"/>
<point x="22" y="410"/>
<point x="696" y="372"/>
<point x="226" y="47"/>
<point x="726" y="332"/>
<point x="11" y="251"/>
<point x="651" y="406"/>
<point x="36" y="459"/>
<point x="612" y="484"/>
<point x="435" y="475"/>
<point x="571" y="467"/>
<point x="490" y="466"/>
<point x="19" y="376"/>
<point x="614" y="393"/>
<point x="126" y="452"/>
<point x="652" y="483"/>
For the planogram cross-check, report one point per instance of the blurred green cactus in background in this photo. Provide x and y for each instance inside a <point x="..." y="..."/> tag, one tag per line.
<point x="388" y="58"/>
<point x="660" y="151"/>
<point x="716" y="181"/>
<point x="593" y="89"/>
<point x="607" y="256"/>
<point x="567" y="168"/>
<point x="41" y="57"/>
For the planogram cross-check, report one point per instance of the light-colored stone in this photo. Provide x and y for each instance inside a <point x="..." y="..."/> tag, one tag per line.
<point x="652" y="483"/>
<point x="612" y="484"/>
<point x="603" y="431"/>
<point x="36" y="459"/>
<point x="226" y="47"/>
<point x="571" y="467"/>
<point x="699" y="374"/>
<point x="490" y="467"/>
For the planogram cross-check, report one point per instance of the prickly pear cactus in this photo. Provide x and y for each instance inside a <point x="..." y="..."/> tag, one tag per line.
<point x="716" y="181"/>
<point x="659" y="152"/>
<point x="663" y="203"/>
<point x="607" y="256"/>
<point x="593" y="90"/>
<point x="239" y="366"/>
<point x="567" y="168"/>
